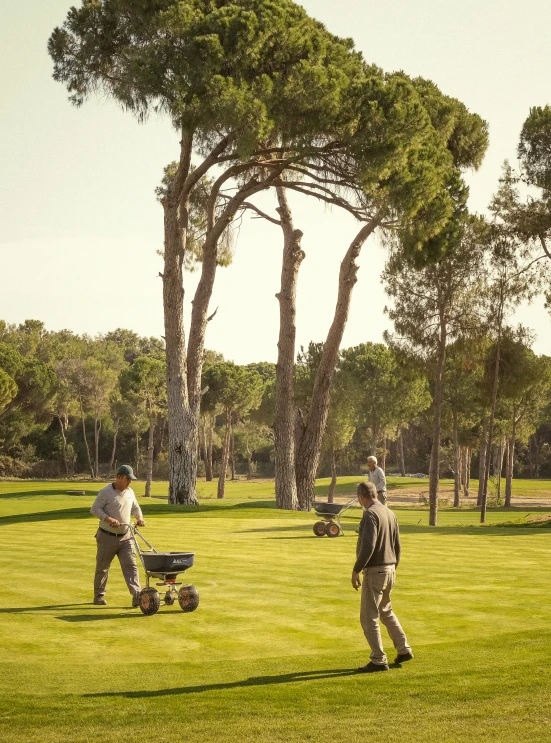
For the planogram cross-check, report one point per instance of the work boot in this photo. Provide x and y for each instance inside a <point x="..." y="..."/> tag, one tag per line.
<point x="100" y="602"/>
<point x="136" y="601"/>
<point x="373" y="668"/>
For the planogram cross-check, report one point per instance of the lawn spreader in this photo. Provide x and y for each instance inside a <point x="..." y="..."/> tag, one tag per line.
<point x="166" y="566"/>
<point x="331" y="514"/>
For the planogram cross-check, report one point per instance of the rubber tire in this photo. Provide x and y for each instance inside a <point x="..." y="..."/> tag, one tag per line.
<point x="188" y="598"/>
<point x="319" y="528"/>
<point x="169" y="599"/>
<point x="332" y="530"/>
<point x="149" y="601"/>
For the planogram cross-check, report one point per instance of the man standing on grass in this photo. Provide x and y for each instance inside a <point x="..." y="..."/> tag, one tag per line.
<point x="377" y="477"/>
<point x="378" y="555"/>
<point x="114" y="505"/>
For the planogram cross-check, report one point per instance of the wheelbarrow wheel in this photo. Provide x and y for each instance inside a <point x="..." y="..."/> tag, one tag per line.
<point x="188" y="598"/>
<point x="319" y="528"/>
<point x="332" y="529"/>
<point x="149" y="601"/>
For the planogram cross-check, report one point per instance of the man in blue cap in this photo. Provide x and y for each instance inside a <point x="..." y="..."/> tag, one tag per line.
<point x="114" y="505"/>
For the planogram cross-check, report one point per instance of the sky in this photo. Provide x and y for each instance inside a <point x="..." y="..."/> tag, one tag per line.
<point x="80" y="228"/>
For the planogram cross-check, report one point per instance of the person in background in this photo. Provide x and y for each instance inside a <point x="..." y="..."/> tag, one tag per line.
<point x="114" y="506"/>
<point x="377" y="556"/>
<point x="377" y="477"/>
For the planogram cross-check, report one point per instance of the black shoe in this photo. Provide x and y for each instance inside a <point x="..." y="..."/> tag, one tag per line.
<point x="100" y="602"/>
<point x="373" y="668"/>
<point x="403" y="658"/>
<point x="135" y="602"/>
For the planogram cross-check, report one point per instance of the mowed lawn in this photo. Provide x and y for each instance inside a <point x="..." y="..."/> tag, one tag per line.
<point x="271" y="652"/>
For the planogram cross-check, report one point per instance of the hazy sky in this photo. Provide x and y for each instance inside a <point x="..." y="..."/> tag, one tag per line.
<point x="80" y="227"/>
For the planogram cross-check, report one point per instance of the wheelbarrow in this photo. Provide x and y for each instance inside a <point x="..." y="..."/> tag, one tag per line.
<point x="331" y="514"/>
<point x="166" y="567"/>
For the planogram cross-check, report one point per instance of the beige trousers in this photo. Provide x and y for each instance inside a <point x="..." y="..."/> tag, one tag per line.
<point x="381" y="496"/>
<point x="376" y="588"/>
<point x="108" y="547"/>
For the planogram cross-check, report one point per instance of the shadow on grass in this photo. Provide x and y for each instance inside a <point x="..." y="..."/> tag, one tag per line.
<point x="46" y="493"/>
<point x="349" y="530"/>
<point x="152" y="509"/>
<point x="57" y="607"/>
<point x="100" y="617"/>
<point x="285" y="678"/>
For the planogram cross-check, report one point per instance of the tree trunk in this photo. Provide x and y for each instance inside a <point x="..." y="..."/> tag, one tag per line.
<point x="203" y="432"/>
<point x="116" y="423"/>
<point x="150" y="445"/>
<point x="184" y="371"/>
<point x="88" y="457"/>
<point x="208" y="460"/>
<point x="492" y="413"/>
<point x="467" y="472"/>
<point x="225" y="456"/>
<point x="536" y="458"/>
<point x="434" y="470"/>
<point x="250" y="466"/>
<point x="456" y="463"/>
<point x="333" y="484"/>
<point x="64" y="444"/>
<point x="510" y="465"/>
<point x="401" y="453"/>
<point x="482" y="459"/>
<point x="285" y="411"/>
<point x="137" y="467"/>
<point x="309" y="444"/>
<point x="97" y="429"/>
<point x="383" y="458"/>
<point x="232" y="445"/>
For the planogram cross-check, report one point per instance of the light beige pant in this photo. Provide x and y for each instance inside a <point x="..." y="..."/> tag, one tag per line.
<point x="108" y="547"/>
<point x="381" y="496"/>
<point x="376" y="588"/>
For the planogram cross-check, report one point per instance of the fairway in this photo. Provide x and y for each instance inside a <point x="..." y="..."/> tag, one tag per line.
<point x="271" y="652"/>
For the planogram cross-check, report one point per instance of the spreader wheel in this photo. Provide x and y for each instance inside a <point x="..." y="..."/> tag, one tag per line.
<point x="149" y="601"/>
<point x="169" y="598"/>
<point x="332" y="529"/>
<point x="319" y="528"/>
<point x="188" y="598"/>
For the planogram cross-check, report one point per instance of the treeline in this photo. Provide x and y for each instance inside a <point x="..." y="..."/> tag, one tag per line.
<point x="73" y="405"/>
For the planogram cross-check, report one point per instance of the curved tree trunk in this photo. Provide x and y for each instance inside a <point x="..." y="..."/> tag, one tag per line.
<point x="150" y="446"/>
<point x="333" y="484"/>
<point x="225" y="456"/>
<point x="285" y="412"/>
<point x="309" y="444"/>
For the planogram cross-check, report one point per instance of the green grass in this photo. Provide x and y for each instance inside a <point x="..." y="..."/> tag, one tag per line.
<point x="270" y="653"/>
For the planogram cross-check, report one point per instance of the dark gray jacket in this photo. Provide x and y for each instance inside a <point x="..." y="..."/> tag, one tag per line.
<point x="378" y="540"/>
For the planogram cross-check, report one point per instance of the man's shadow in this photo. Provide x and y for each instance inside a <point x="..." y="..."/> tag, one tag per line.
<point x="286" y="678"/>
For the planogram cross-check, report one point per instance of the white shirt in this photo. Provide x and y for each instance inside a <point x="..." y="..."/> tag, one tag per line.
<point x="377" y="477"/>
